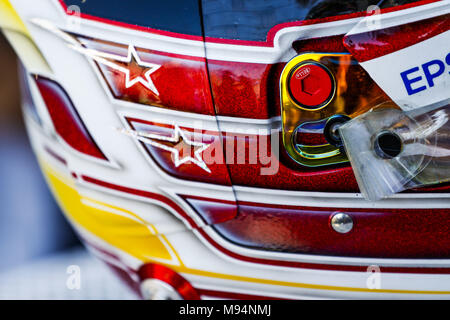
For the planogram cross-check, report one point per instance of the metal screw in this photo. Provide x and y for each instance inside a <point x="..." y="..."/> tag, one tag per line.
<point x="341" y="222"/>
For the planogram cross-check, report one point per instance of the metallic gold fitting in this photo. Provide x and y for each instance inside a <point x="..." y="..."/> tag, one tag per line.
<point x="316" y="88"/>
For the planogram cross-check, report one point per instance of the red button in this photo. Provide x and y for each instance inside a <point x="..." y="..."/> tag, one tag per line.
<point x="311" y="86"/>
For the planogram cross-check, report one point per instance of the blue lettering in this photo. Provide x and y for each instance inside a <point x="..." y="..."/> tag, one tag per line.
<point x="408" y="81"/>
<point x="430" y="76"/>
<point x="447" y="59"/>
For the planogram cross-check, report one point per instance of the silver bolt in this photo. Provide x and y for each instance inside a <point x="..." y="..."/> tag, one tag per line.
<point x="341" y="222"/>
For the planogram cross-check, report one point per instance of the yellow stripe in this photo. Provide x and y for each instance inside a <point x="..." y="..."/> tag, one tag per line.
<point x="155" y="230"/>
<point x="70" y="199"/>
<point x="18" y="35"/>
<point x="299" y="285"/>
<point x="129" y="235"/>
<point x="9" y="19"/>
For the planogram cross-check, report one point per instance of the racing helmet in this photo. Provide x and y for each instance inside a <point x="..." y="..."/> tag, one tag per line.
<point x="194" y="145"/>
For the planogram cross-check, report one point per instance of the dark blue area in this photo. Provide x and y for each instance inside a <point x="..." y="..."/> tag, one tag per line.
<point x="228" y="19"/>
<point x="181" y="16"/>
<point x="252" y="19"/>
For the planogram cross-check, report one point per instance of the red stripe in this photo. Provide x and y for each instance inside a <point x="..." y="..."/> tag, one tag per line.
<point x="270" y="35"/>
<point x="249" y="173"/>
<point x="213" y="212"/>
<point x="417" y="233"/>
<point x="55" y="155"/>
<point x="182" y="82"/>
<point x="331" y="44"/>
<point x="207" y="199"/>
<point x="374" y="44"/>
<point x="125" y="275"/>
<point x="142" y="193"/>
<point x="180" y="211"/>
<point x="172" y="278"/>
<point x="218" y="172"/>
<point x="65" y="118"/>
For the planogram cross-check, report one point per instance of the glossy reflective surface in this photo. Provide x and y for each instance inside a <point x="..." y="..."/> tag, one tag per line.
<point x="252" y="20"/>
<point x="177" y="82"/>
<point x="387" y="233"/>
<point x="354" y="93"/>
<point x="66" y="120"/>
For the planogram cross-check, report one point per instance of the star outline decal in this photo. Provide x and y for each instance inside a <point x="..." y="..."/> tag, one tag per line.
<point x="132" y="55"/>
<point x="151" y="139"/>
<point x="104" y="57"/>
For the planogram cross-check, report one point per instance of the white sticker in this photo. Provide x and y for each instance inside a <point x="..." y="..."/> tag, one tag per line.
<point x="415" y="76"/>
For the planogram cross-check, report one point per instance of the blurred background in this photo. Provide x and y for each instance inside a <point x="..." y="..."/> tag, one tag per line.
<point x="31" y="224"/>
<point x="36" y="242"/>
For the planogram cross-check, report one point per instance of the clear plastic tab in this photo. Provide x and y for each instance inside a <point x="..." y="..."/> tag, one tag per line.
<point x="392" y="150"/>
